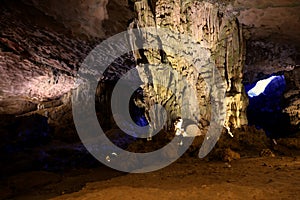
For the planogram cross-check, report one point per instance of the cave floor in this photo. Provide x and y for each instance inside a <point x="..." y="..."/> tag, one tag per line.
<point x="187" y="178"/>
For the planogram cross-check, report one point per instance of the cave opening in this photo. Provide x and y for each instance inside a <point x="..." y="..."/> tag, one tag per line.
<point x="136" y="109"/>
<point x="266" y="104"/>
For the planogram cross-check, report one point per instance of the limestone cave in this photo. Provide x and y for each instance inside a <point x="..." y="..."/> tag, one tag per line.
<point x="149" y="99"/>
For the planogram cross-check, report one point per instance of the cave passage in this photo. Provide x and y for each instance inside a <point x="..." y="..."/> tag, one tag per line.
<point x="266" y="104"/>
<point x="137" y="113"/>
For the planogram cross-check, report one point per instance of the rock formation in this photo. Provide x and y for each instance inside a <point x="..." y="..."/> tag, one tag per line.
<point x="216" y="29"/>
<point x="43" y="44"/>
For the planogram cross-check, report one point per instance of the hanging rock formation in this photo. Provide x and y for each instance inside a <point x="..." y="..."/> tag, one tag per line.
<point x="215" y="29"/>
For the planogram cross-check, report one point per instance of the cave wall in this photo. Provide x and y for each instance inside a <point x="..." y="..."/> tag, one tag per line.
<point x="291" y="96"/>
<point x="83" y="17"/>
<point x="246" y="40"/>
<point x="40" y="58"/>
<point x="271" y="28"/>
<point x="266" y="58"/>
<point x="272" y="20"/>
<point x="272" y="32"/>
<point x="38" y="64"/>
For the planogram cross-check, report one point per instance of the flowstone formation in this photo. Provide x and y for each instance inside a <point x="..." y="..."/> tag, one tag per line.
<point x="215" y="29"/>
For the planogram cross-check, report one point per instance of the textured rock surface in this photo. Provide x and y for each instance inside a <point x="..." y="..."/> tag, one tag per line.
<point x="292" y="97"/>
<point x="37" y="64"/>
<point x="267" y="58"/>
<point x="214" y="28"/>
<point x="274" y="20"/>
<point x="92" y="18"/>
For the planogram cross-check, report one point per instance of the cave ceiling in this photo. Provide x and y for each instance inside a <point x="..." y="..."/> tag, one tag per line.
<point x="273" y="20"/>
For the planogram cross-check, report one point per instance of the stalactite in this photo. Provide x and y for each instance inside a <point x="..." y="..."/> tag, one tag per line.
<point x="215" y="28"/>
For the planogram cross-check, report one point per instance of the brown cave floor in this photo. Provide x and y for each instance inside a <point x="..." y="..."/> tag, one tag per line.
<point x="250" y="177"/>
<point x="187" y="178"/>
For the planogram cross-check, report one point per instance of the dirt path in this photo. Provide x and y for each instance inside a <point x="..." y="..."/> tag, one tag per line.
<point x="248" y="178"/>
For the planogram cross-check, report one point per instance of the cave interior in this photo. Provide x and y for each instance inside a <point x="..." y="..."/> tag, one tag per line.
<point x="253" y="44"/>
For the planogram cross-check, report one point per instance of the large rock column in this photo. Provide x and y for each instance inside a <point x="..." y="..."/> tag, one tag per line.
<point x="214" y="28"/>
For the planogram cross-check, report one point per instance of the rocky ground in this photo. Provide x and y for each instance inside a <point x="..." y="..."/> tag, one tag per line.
<point x="248" y="166"/>
<point x="248" y="178"/>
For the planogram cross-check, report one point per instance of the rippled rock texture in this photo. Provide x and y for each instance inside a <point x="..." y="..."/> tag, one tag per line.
<point x="292" y="107"/>
<point x="38" y="64"/>
<point x="214" y="27"/>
